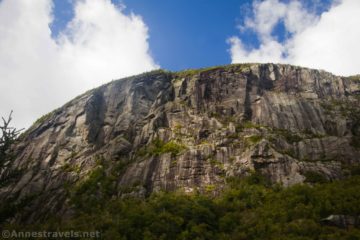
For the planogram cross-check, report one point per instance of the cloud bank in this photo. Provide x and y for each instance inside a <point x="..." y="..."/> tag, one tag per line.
<point x="39" y="73"/>
<point x="329" y="41"/>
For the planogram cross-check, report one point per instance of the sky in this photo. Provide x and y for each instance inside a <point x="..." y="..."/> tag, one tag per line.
<point x="53" y="50"/>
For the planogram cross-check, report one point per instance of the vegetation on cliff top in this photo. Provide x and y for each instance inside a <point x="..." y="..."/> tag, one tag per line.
<point x="355" y="78"/>
<point x="191" y="72"/>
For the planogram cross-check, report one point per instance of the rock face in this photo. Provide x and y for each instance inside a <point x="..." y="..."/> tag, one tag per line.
<point x="189" y="131"/>
<point x="341" y="221"/>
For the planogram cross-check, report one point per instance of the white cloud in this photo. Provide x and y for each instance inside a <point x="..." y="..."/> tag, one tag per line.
<point x="39" y="73"/>
<point x="268" y="51"/>
<point x="267" y="14"/>
<point x="329" y="41"/>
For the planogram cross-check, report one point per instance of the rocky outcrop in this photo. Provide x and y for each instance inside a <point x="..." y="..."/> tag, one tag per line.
<point x="189" y="131"/>
<point x="341" y="221"/>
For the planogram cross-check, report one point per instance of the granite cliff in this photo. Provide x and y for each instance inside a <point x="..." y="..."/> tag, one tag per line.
<point x="186" y="131"/>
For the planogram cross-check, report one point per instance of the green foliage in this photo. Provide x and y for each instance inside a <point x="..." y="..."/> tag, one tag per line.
<point x="322" y="158"/>
<point x="43" y="118"/>
<point x="235" y="67"/>
<point x="346" y="108"/>
<point x="67" y="167"/>
<point x="158" y="147"/>
<point x="294" y="137"/>
<point x="355" y="170"/>
<point x="210" y="188"/>
<point x="351" y="170"/>
<point x="188" y="72"/>
<point x="289" y="136"/>
<point x="172" y="147"/>
<point x="355" y="142"/>
<point x="8" y="136"/>
<point x="215" y="162"/>
<point x="256" y="179"/>
<point x="239" y="128"/>
<point x="177" y="128"/>
<point x="351" y="112"/>
<point x="249" y="124"/>
<point x="315" y="177"/>
<point x="327" y="107"/>
<point x="249" y="208"/>
<point x="355" y="78"/>
<point x="355" y="129"/>
<point x="254" y="139"/>
<point x="88" y="193"/>
<point x="98" y="186"/>
<point x="10" y="207"/>
<point x="10" y="176"/>
<point x="40" y="121"/>
<point x="215" y="115"/>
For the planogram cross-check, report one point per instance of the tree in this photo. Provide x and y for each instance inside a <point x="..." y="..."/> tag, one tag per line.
<point x="8" y="135"/>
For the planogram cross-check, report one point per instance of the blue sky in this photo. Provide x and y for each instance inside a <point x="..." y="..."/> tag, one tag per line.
<point x="189" y="33"/>
<point x="53" y="50"/>
<point x="183" y="33"/>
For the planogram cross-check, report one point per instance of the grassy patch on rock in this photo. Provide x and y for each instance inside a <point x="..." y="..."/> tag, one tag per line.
<point x="158" y="147"/>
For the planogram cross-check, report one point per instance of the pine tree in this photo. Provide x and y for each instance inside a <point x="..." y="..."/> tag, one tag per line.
<point x="8" y="135"/>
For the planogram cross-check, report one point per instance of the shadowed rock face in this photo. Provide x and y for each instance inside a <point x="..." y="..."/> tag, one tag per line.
<point x="190" y="131"/>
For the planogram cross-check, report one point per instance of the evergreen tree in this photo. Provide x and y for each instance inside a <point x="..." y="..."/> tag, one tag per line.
<point x="8" y="135"/>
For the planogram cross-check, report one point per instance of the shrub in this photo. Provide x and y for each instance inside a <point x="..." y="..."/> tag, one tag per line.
<point x="158" y="147"/>
<point x="254" y="139"/>
<point x="289" y="136"/>
<point x="314" y="177"/>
